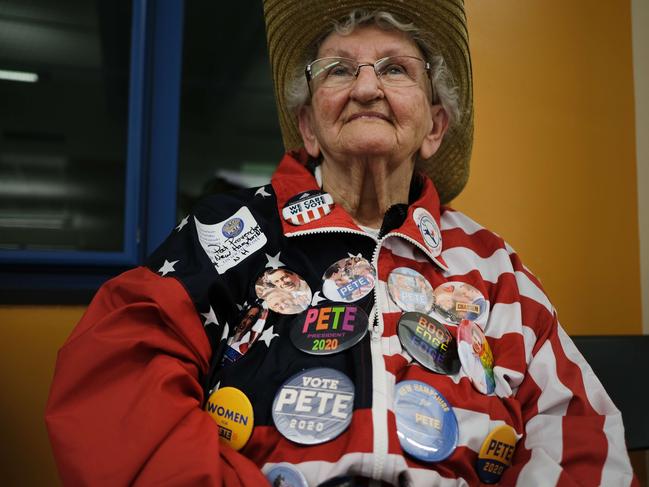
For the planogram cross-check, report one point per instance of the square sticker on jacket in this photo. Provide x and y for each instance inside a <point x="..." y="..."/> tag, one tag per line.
<point x="229" y="242"/>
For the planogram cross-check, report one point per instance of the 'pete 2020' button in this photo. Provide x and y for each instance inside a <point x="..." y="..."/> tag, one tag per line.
<point x="410" y="290"/>
<point x="475" y="356"/>
<point x="496" y="454"/>
<point x="429" y="342"/>
<point x="314" y="406"/>
<point x="232" y="411"/>
<point x="325" y="330"/>
<point x="426" y="424"/>
<point x="285" y="474"/>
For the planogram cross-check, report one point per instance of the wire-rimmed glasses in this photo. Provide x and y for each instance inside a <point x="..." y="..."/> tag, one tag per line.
<point x="340" y="72"/>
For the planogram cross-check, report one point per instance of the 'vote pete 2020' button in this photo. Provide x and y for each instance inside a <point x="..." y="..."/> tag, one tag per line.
<point x="232" y="411"/>
<point x="426" y="424"/>
<point x="325" y="330"/>
<point x="496" y="454"/>
<point x="314" y="406"/>
<point x="429" y="342"/>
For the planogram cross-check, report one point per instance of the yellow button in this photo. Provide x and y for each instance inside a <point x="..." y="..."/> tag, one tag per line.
<point x="496" y="454"/>
<point x="232" y="411"/>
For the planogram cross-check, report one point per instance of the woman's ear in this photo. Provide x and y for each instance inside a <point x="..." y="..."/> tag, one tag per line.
<point x="434" y="138"/>
<point x="305" y="122"/>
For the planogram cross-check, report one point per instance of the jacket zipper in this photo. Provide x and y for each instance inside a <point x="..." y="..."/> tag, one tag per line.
<point x="379" y="388"/>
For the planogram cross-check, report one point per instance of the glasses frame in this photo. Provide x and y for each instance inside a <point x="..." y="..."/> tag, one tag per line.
<point x="309" y="74"/>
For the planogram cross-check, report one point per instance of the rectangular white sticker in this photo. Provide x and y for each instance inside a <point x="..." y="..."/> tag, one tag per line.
<point x="229" y="242"/>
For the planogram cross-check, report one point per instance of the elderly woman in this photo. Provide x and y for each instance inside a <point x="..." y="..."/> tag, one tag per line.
<point x="354" y="385"/>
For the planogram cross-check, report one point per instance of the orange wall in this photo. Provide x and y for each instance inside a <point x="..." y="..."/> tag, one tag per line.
<point x="29" y="340"/>
<point x="553" y="169"/>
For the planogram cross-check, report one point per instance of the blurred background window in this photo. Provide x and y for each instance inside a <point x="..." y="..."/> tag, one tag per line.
<point x="64" y="76"/>
<point x="229" y="132"/>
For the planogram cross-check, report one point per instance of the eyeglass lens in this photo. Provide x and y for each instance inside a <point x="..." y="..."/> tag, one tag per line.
<point x="340" y="72"/>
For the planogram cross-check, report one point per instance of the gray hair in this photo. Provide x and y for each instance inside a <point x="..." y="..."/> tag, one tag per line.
<point x="444" y="90"/>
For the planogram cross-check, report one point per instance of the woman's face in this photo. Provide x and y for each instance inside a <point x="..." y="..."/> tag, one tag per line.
<point x="368" y="118"/>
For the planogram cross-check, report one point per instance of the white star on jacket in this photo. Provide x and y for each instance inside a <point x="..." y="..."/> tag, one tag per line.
<point x="168" y="267"/>
<point x="262" y="192"/>
<point x="267" y="336"/>
<point x="182" y="223"/>
<point x="274" y="262"/>
<point x="210" y="317"/>
<point x="316" y="298"/>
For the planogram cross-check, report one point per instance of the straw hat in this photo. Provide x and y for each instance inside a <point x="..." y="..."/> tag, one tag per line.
<point x="293" y="25"/>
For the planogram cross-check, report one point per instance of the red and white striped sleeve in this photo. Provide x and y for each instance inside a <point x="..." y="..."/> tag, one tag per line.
<point x="574" y="434"/>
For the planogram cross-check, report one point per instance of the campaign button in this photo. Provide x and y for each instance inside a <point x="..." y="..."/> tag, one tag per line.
<point x="307" y="207"/>
<point x="348" y="280"/>
<point x="426" y="424"/>
<point x="429" y="230"/>
<point x="246" y="333"/>
<point x="286" y="475"/>
<point x="232" y="411"/>
<point x="475" y="356"/>
<point x="496" y="454"/>
<point x="457" y="301"/>
<point x="429" y="342"/>
<point x="324" y="330"/>
<point x="284" y="291"/>
<point x="314" y="406"/>
<point x="410" y="290"/>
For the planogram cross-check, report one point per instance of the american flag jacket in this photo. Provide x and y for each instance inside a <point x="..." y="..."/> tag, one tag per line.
<point x="127" y="401"/>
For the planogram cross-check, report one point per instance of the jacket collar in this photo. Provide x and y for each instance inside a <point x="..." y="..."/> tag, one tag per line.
<point x="292" y="178"/>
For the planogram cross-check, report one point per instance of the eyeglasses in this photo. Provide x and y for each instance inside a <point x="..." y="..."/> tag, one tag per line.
<point x="340" y="72"/>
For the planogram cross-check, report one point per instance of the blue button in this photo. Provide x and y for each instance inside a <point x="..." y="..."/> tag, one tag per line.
<point x="285" y="474"/>
<point x="426" y="424"/>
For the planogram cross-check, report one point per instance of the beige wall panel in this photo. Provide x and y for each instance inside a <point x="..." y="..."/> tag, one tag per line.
<point x="554" y="168"/>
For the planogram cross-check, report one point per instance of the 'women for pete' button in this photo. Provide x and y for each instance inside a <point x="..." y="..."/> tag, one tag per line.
<point x="232" y="411"/>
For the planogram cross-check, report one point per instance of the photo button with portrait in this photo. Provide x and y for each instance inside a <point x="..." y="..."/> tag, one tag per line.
<point x="348" y="279"/>
<point x="457" y="301"/>
<point x="283" y="291"/>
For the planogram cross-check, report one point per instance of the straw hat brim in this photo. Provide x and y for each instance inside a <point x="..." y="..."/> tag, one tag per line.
<point x="292" y="26"/>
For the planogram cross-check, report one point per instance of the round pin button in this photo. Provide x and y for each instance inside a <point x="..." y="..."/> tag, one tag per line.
<point x="246" y="333"/>
<point x="284" y="291"/>
<point x="475" y="356"/>
<point x="324" y="330"/>
<point x="410" y="290"/>
<point x="429" y="342"/>
<point x="429" y="230"/>
<point x="285" y="475"/>
<point x="307" y="207"/>
<point x="426" y="424"/>
<point x="232" y="411"/>
<point x="348" y="280"/>
<point x="496" y="454"/>
<point x="457" y="301"/>
<point x="314" y="406"/>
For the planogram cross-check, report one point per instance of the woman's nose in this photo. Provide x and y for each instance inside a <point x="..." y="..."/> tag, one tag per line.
<point x="367" y="86"/>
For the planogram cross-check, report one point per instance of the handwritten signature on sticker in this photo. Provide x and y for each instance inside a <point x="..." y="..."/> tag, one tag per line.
<point x="229" y="242"/>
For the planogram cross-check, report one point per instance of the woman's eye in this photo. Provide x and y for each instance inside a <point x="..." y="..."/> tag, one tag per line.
<point x="339" y="70"/>
<point x="394" y="70"/>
